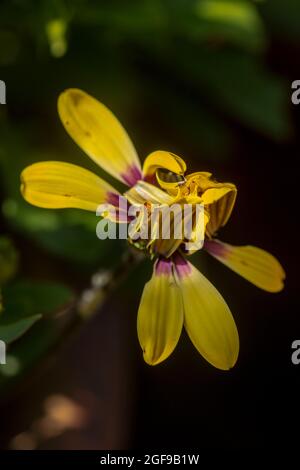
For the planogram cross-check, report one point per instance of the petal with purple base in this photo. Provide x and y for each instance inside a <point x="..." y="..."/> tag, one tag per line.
<point x="132" y="175"/>
<point x="160" y="316"/>
<point x="182" y="267"/>
<point x="119" y="209"/>
<point x="59" y="185"/>
<point x="163" y="266"/>
<point x="207" y="318"/>
<point x="99" y="134"/>
<point x="254" y="264"/>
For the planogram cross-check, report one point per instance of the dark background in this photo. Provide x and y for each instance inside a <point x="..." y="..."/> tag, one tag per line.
<point x="215" y="89"/>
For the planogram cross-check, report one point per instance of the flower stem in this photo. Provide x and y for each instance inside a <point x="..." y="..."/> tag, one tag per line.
<point x="104" y="282"/>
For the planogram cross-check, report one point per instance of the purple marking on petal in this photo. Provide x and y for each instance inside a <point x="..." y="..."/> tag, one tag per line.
<point x="113" y="199"/>
<point x="181" y="265"/>
<point x="151" y="179"/>
<point x="120" y="203"/>
<point x="163" y="266"/>
<point x="215" y="248"/>
<point x="122" y="217"/>
<point x="132" y="175"/>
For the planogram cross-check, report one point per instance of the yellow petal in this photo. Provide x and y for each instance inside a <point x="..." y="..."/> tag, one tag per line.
<point x="214" y="194"/>
<point x="157" y="201"/>
<point x="207" y="318"/>
<point x="144" y="192"/>
<point x="100" y="135"/>
<point x="166" y="161"/>
<point x="57" y="185"/>
<point x="169" y="224"/>
<point x="160" y="316"/>
<point x="220" y="213"/>
<point x="178" y="225"/>
<point x="204" y="175"/>
<point x="197" y="237"/>
<point x="219" y="199"/>
<point x="254" y="264"/>
<point x="165" y="247"/>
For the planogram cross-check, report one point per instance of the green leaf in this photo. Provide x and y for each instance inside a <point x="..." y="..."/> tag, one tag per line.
<point x="238" y="84"/>
<point x="151" y="22"/>
<point x="73" y="243"/>
<point x="25" y="303"/>
<point x="29" y="349"/>
<point x="12" y="331"/>
<point x="80" y="245"/>
<point x="249" y="92"/>
<point x="26" y="298"/>
<point x="237" y="21"/>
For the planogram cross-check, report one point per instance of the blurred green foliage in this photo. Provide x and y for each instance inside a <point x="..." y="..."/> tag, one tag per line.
<point x="8" y="260"/>
<point x="25" y="303"/>
<point x="178" y="74"/>
<point x="13" y="330"/>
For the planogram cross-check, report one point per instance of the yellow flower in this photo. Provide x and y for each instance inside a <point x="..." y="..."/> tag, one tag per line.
<point x="178" y="294"/>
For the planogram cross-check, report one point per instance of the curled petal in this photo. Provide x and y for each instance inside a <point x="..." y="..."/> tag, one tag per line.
<point x="218" y="198"/>
<point x="220" y="211"/>
<point x="168" y="162"/>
